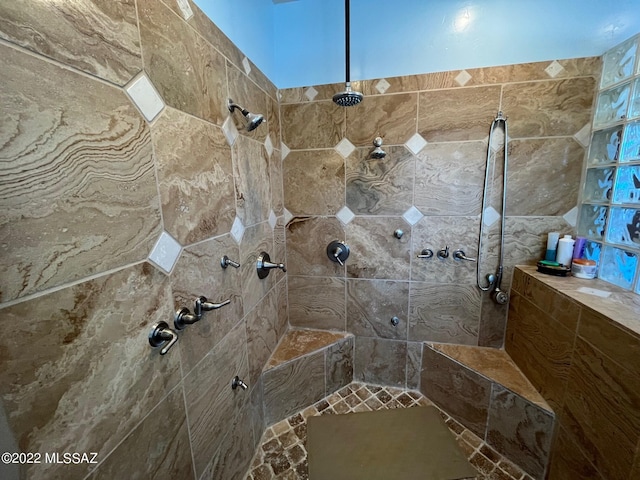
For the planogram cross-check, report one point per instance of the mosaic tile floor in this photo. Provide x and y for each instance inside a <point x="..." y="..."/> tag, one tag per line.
<point x="282" y="454"/>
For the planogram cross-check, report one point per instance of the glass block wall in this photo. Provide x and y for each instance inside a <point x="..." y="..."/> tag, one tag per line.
<point x="610" y="208"/>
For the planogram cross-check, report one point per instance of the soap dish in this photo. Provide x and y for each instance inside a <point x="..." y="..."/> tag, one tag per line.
<point x="559" y="271"/>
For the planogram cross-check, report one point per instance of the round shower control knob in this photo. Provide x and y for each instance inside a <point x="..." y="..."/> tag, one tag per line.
<point x="338" y="252"/>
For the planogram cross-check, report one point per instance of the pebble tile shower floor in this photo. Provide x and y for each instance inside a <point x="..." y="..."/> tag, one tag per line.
<point x="282" y="454"/>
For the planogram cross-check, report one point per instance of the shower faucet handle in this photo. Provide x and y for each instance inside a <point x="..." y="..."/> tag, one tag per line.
<point x="203" y="305"/>
<point x="226" y="261"/>
<point x="443" y="253"/>
<point x="161" y="334"/>
<point x="460" y="255"/>
<point x="426" y="253"/>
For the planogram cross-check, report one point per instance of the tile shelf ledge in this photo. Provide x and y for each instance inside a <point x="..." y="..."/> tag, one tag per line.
<point x="621" y="306"/>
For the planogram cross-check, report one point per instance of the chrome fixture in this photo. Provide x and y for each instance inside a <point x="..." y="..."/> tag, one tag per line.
<point x="398" y="234"/>
<point x="264" y="265"/>
<point x="253" y="119"/>
<point x="226" y="261"/>
<point x="443" y="253"/>
<point x="184" y="317"/>
<point x="348" y="97"/>
<point x="338" y="252"/>
<point x="459" y="255"/>
<point x="395" y="321"/>
<point x="378" y="152"/>
<point x="236" y="382"/>
<point x="426" y="253"/>
<point x="162" y="335"/>
<point x="494" y="280"/>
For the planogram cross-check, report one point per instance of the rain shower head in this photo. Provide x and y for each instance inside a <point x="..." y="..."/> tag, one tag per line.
<point x="253" y="119"/>
<point x="348" y="97"/>
<point x="378" y="152"/>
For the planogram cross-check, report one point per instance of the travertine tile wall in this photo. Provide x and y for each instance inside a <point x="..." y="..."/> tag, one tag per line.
<point x="87" y="186"/>
<point x="585" y="365"/>
<point x="435" y="129"/>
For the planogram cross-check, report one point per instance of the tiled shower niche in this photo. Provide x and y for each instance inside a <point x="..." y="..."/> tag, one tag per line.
<point x="609" y="216"/>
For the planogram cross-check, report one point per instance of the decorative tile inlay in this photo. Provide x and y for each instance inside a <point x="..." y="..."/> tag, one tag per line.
<point x="272" y="220"/>
<point x="554" y="69"/>
<point x="345" y="215"/>
<point x="287" y="216"/>
<point x="165" y="252"/>
<point x="583" y="136"/>
<point x="345" y="147"/>
<point x="230" y="131"/>
<point x="285" y="150"/>
<point x="491" y="216"/>
<point x="382" y="85"/>
<point x="412" y="216"/>
<point x="416" y="143"/>
<point x="268" y="145"/>
<point x="145" y="97"/>
<point x="237" y="230"/>
<point x="310" y="93"/>
<point x="246" y="65"/>
<point x="185" y="8"/>
<point x="462" y="78"/>
<point x="571" y="216"/>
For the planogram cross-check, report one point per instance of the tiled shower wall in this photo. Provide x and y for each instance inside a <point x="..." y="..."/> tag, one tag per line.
<point x="87" y="186"/>
<point x="435" y="129"/>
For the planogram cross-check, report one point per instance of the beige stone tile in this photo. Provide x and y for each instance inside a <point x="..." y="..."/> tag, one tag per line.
<point x="414" y="364"/>
<point x="439" y="232"/>
<point x="314" y="182"/>
<point x="157" y="448"/>
<point x="375" y="252"/>
<point x="493" y="321"/>
<point x="447" y="313"/>
<point x="371" y="304"/>
<point x="457" y="114"/>
<point x="262" y="335"/>
<point x="543" y="176"/>
<point x="317" y="302"/>
<point x="188" y="73"/>
<point x="70" y="157"/>
<point x="525" y="239"/>
<point x="307" y="241"/>
<point x="380" y="361"/>
<point x="380" y="186"/>
<point x="275" y="177"/>
<point x="82" y="358"/>
<point x="252" y="182"/>
<point x="312" y="125"/>
<point x="247" y="94"/>
<point x="450" y="177"/>
<point x="392" y="117"/>
<point x="550" y="108"/>
<point x="195" y="177"/>
<point x="198" y="273"/>
<point x="339" y="364"/>
<point x="560" y="307"/>
<point x="99" y="38"/>
<point x="298" y="342"/>
<point x="568" y="461"/>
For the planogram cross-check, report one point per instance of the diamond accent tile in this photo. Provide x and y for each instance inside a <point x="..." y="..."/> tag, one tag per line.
<point x="287" y="216"/>
<point x="462" y="78"/>
<point x="145" y="97"/>
<point x="571" y="217"/>
<point x="185" y="8"/>
<point x="310" y="93"/>
<point x="345" y="147"/>
<point x="490" y="216"/>
<point x="382" y="85"/>
<point x="412" y="216"/>
<point x="237" y="230"/>
<point x="345" y="215"/>
<point x="554" y="69"/>
<point x="583" y="137"/>
<point x="416" y="143"/>
<point x="285" y="150"/>
<point x="246" y="65"/>
<point x="272" y="219"/>
<point x="230" y="131"/>
<point x="268" y="145"/>
<point x="165" y="252"/>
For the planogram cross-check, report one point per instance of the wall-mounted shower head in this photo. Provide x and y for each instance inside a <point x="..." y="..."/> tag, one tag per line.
<point x="378" y="152"/>
<point x="253" y="119"/>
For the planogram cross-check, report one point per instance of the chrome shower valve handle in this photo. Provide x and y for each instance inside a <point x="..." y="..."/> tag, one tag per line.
<point x="226" y="261"/>
<point x="443" y="253"/>
<point x="162" y="335"/>
<point x="460" y="255"/>
<point x="425" y="253"/>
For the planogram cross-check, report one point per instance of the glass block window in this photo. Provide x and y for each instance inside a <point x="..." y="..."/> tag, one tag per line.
<point x="610" y="200"/>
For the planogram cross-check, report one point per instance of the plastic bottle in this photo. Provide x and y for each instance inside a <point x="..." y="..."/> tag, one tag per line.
<point x="565" y="250"/>
<point x="578" y="249"/>
<point x="552" y="245"/>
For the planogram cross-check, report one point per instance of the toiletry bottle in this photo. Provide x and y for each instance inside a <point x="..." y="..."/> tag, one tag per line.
<point x="578" y="249"/>
<point x="552" y="245"/>
<point x="565" y="250"/>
